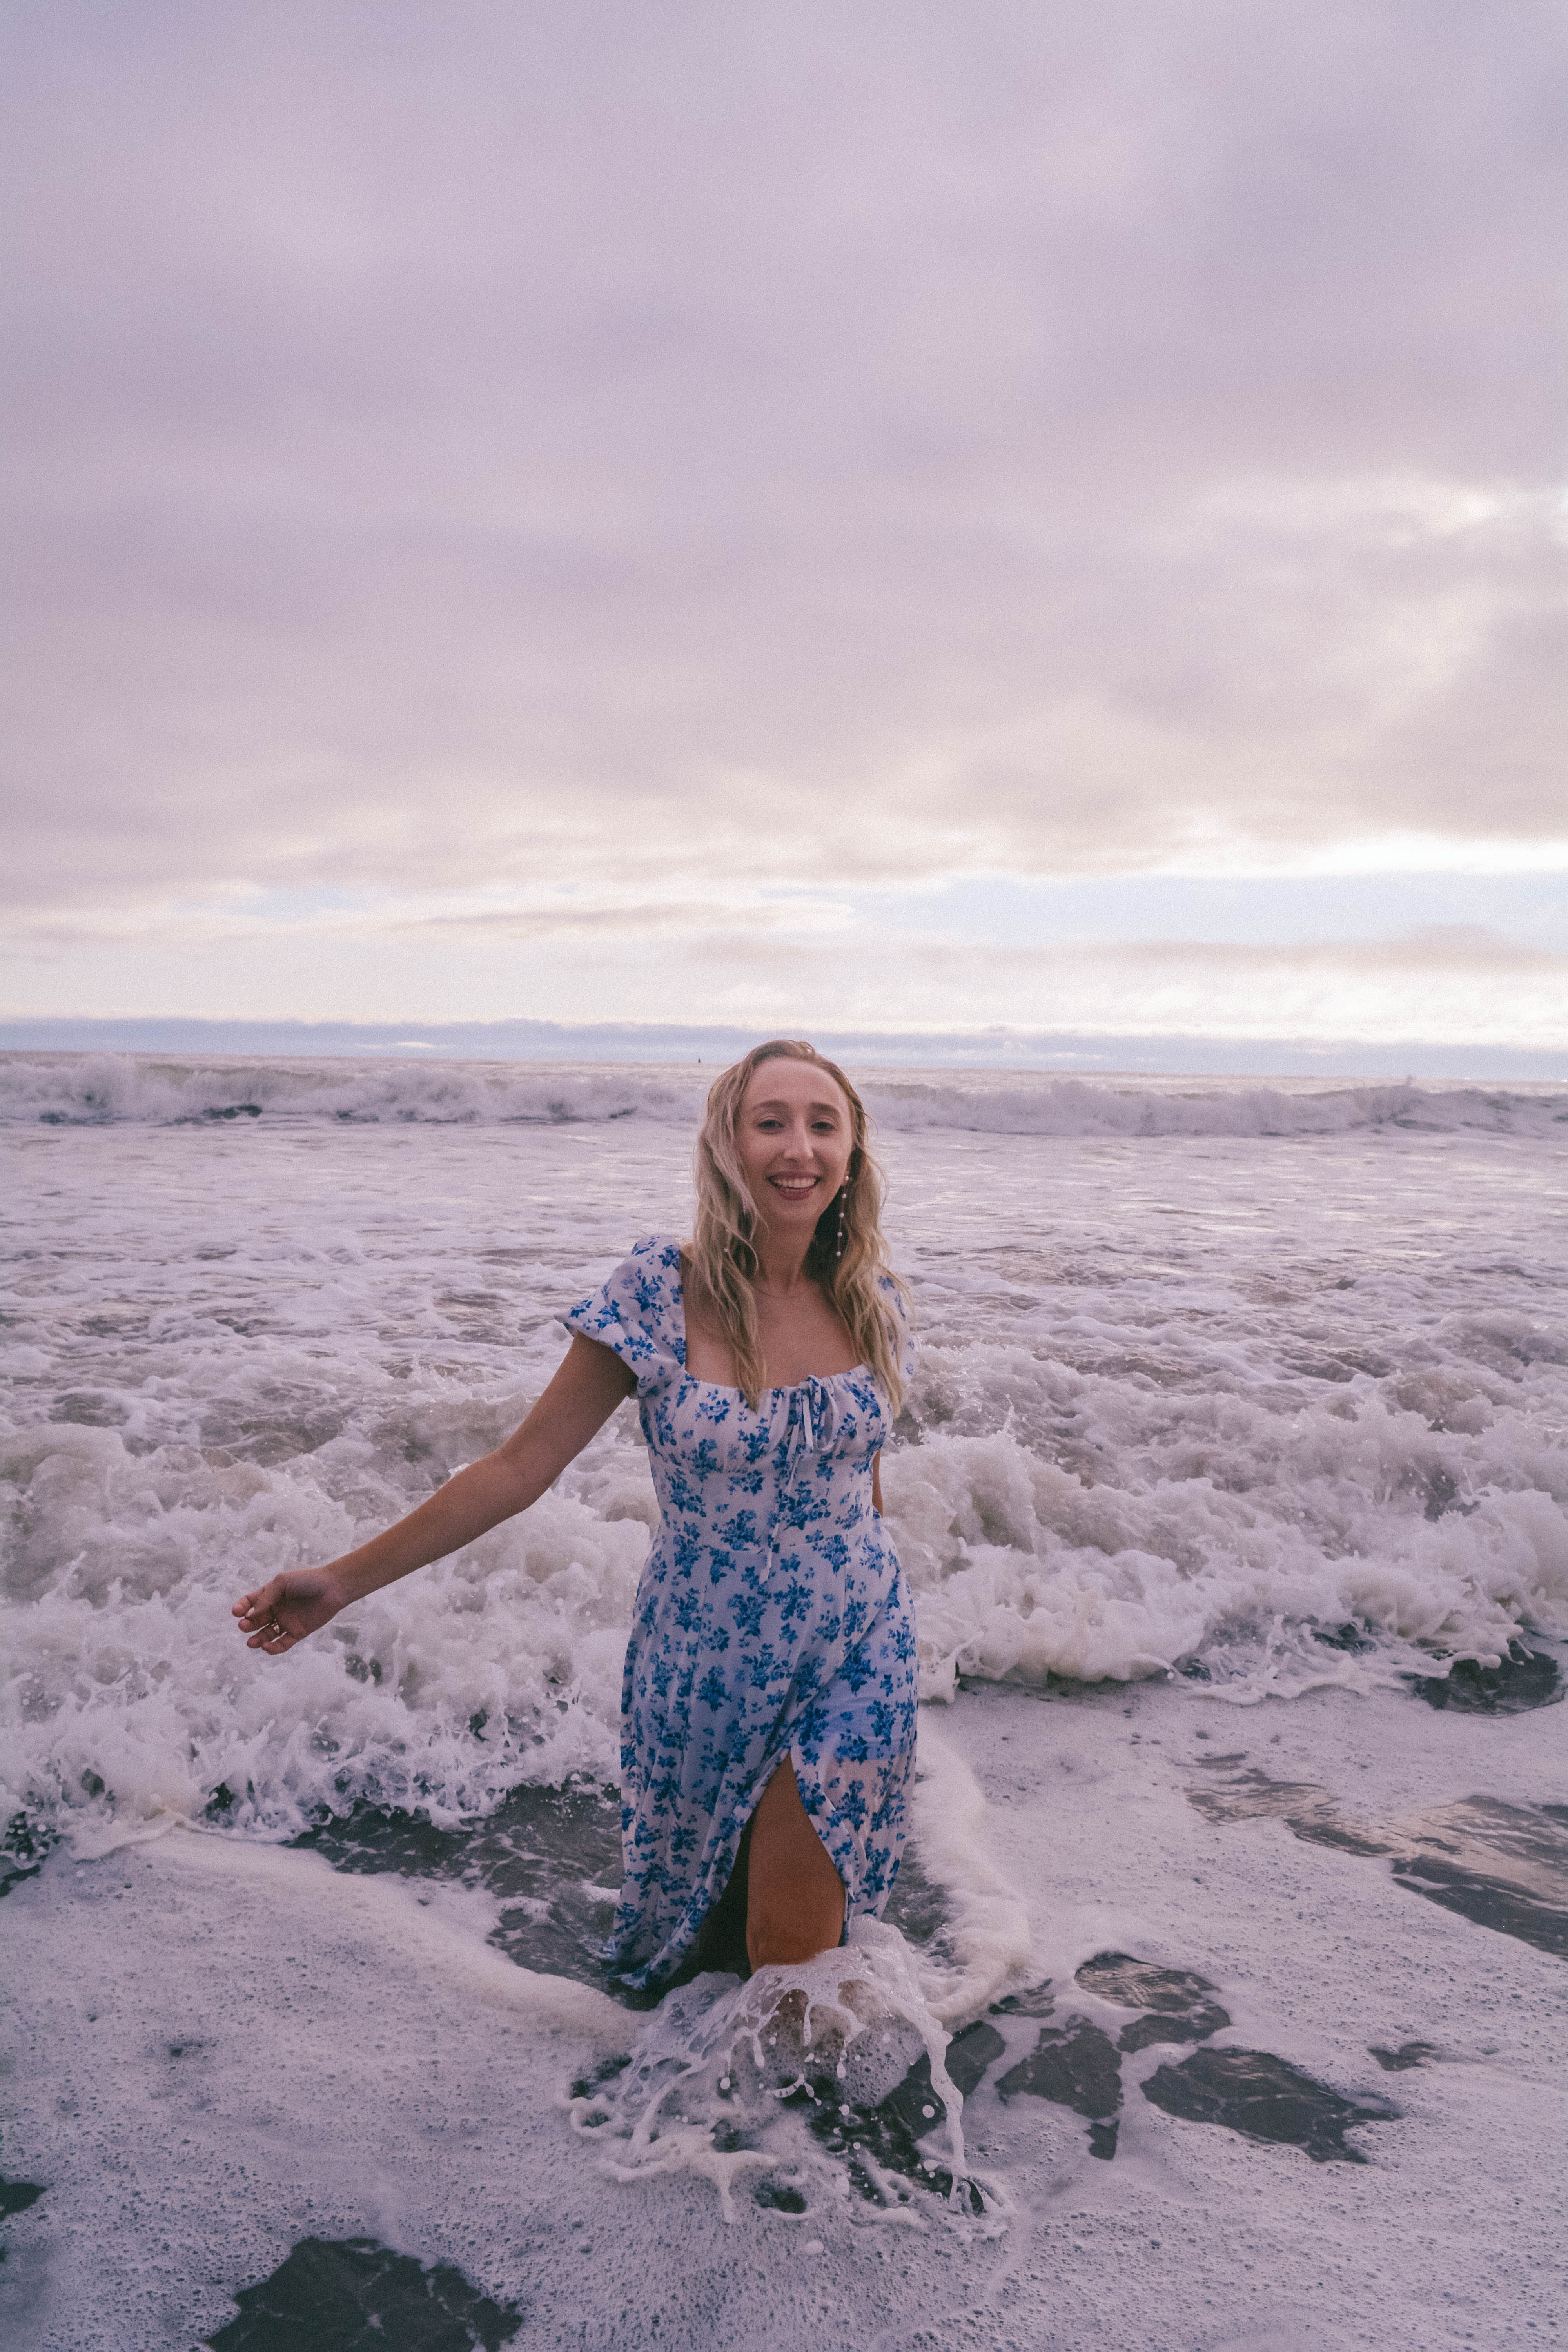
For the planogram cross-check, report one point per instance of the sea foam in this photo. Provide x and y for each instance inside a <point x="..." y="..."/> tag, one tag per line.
<point x="1264" y="1413"/>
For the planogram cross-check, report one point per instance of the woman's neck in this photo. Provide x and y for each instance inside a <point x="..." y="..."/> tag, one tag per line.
<point x="781" y="1264"/>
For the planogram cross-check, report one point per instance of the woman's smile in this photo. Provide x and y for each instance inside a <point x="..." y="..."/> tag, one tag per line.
<point x="794" y="1188"/>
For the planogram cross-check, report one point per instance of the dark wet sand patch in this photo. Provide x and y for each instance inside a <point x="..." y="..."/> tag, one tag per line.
<point x="1262" y="2098"/>
<point x="550" y="1856"/>
<point x="1503" y="1867"/>
<point x="24" y="1848"/>
<point x="1350" y="1637"/>
<point x="1409" y="2054"/>
<point x="922" y="2108"/>
<point x="916" y="1907"/>
<point x="1305" y="1808"/>
<point x="1075" y="2065"/>
<point x="969" y="2054"/>
<point x="586" y="2086"/>
<point x="774" y="2197"/>
<point x="1489" y="1902"/>
<point x="1524" y="1679"/>
<point x="1036" y="2001"/>
<point x="346" y="2295"/>
<point x="16" y="2196"/>
<point x="1176" y="2000"/>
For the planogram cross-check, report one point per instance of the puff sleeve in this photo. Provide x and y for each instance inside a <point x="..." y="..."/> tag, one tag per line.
<point x="638" y="1312"/>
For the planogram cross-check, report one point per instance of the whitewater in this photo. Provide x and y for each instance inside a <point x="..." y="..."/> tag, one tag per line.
<point x="1241" y="1416"/>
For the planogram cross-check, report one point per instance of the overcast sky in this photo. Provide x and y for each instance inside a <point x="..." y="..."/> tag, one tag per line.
<point x="907" y="516"/>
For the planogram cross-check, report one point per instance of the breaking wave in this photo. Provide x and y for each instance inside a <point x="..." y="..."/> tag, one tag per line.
<point x="107" y="1089"/>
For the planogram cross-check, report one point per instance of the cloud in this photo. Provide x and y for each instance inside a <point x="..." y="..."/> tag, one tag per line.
<point x="464" y="445"/>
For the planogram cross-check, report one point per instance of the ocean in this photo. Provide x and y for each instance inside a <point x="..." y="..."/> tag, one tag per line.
<point x="1232" y="1489"/>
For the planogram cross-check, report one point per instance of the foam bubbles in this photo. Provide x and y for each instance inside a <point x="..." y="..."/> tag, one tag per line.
<point x="1020" y="1572"/>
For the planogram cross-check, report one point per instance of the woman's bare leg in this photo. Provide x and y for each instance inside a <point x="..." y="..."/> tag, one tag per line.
<point x="795" y="1897"/>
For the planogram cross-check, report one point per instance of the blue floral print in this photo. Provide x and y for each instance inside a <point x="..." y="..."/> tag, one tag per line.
<point x="772" y="1620"/>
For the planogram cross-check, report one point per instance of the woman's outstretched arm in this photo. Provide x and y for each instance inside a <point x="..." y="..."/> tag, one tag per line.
<point x="585" y="1391"/>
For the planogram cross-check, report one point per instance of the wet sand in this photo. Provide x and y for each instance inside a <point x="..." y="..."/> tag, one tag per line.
<point x="1284" y="2068"/>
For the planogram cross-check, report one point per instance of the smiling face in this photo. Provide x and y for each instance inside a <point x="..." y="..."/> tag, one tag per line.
<point x="794" y="1138"/>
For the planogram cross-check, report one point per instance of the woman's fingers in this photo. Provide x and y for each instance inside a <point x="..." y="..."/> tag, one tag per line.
<point x="260" y="1629"/>
<point x="259" y="1618"/>
<point x="256" y="1608"/>
<point x="269" y="1636"/>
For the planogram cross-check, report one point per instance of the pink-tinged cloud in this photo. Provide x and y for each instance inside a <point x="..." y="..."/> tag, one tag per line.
<point x="458" y="445"/>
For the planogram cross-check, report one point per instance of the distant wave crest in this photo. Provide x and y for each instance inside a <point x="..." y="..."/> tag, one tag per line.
<point x="103" y="1090"/>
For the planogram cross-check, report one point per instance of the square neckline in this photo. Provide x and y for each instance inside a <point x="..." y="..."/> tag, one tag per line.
<point x="726" y="1388"/>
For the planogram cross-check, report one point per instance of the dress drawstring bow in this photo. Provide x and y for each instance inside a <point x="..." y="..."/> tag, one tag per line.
<point x="813" y="1423"/>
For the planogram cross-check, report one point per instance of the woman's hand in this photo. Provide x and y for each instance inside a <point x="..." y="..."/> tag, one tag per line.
<point x="282" y="1612"/>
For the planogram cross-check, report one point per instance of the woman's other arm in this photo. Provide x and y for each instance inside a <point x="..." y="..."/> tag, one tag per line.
<point x="590" y="1382"/>
<point x="876" y="1482"/>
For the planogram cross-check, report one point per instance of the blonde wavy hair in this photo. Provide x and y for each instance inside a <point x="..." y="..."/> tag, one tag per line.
<point x="722" y="1262"/>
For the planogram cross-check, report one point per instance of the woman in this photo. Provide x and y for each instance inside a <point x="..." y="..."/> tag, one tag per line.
<point x="768" y="1707"/>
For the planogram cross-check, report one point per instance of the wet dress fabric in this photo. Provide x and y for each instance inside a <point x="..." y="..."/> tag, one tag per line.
<point x="772" y="1620"/>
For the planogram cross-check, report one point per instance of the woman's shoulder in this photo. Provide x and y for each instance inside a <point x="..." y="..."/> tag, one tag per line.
<point x="649" y="1274"/>
<point x="636" y="1309"/>
<point x="662" y="1250"/>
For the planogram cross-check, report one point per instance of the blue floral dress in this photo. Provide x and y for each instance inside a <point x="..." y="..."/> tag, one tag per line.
<point x="772" y="1620"/>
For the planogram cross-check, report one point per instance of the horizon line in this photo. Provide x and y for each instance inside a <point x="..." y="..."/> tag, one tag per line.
<point x="1063" y="1053"/>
